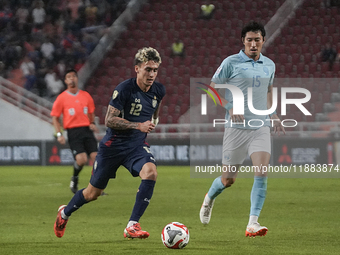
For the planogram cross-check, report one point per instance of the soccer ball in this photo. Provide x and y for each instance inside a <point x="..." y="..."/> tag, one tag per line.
<point x="175" y="235"/>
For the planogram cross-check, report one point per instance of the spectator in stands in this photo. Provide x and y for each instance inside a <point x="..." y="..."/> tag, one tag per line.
<point x="60" y="69"/>
<point x="21" y="16"/>
<point x="6" y="15"/>
<point x="329" y="54"/>
<point x="28" y="69"/>
<point x="207" y="11"/>
<point x="91" y="14"/>
<point x="89" y="42"/>
<point x="54" y="84"/>
<point x="79" y="64"/>
<point x="38" y="15"/>
<point x="41" y="70"/>
<point x="47" y="49"/>
<point x="68" y="40"/>
<point x="177" y="48"/>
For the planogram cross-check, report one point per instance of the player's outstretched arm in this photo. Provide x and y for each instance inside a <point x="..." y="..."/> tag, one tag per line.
<point x="113" y="121"/>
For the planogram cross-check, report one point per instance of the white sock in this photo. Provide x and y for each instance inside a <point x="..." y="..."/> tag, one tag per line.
<point x="63" y="215"/>
<point x="208" y="200"/>
<point x="253" y="219"/>
<point x="131" y="222"/>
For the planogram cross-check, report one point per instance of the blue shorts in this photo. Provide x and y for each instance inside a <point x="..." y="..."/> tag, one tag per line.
<point x="108" y="160"/>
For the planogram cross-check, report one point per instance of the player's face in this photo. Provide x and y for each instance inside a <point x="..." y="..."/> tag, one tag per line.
<point x="146" y="73"/>
<point x="253" y="42"/>
<point x="71" y="80"/>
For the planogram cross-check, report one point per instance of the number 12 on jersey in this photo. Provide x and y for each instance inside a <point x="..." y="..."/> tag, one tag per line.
<point x="136" y="109"/>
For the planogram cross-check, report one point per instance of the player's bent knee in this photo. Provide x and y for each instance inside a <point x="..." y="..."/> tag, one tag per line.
<point x="149" y="172"/>
<point x="91" y="193"/>
<point x="81" y="159"/>
<point x="92" y="196"/>
<point x="150" y="175"/>
<point x="227" y="182"/>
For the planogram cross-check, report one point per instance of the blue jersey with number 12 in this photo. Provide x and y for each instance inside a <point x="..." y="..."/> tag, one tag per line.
<point x="135" y="106"/>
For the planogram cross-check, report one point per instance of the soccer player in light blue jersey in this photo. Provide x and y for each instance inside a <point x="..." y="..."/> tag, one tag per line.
<point x="247" y="133"/>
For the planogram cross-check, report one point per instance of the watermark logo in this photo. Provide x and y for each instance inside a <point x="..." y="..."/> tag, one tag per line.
<point x="204" y="97"/>
<point x="238" y="101"/>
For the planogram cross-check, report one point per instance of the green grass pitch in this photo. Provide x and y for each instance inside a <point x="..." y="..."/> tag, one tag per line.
<point x="302" y="215"/>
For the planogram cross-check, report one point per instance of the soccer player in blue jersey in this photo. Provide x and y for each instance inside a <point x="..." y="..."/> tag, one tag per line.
<point x="248" y="68"/>
<point x="132" y="113"/>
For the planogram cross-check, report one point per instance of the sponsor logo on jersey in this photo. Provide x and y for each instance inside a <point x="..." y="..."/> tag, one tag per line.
<point x="266" y="70"/>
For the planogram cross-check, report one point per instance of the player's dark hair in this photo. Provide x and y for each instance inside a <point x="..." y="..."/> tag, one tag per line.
<point x="147" y="54"/>
<point x="253" y="27"/>
<point x="70" y="71"/>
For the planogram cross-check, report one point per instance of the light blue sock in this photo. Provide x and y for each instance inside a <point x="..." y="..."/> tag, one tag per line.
<point x="258" y="195"/>
<point x="216" y="188"/>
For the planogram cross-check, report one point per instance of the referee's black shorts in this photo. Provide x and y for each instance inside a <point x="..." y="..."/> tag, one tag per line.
<point x="82" y="139"/>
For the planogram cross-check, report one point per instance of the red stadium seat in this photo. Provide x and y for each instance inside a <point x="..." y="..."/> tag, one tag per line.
<point x="319" y="107"/>
<point x="336" y="67"/>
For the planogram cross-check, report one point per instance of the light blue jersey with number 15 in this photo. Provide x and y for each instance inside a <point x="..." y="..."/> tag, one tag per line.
<point x="243" y="72"/>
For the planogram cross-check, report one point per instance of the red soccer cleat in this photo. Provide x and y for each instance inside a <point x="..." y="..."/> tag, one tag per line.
<point x="135" y="231"/>
<point x="60" y="223"/>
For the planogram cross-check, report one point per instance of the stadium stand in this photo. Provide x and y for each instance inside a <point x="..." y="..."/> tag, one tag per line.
<point x="297" y="53"/>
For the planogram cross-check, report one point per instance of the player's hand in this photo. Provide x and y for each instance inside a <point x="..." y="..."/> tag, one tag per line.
<point x="235" y="118"/>
<point x="146" y="127"/>
<point x="276" y="122"/>
<point x="61" y="139"/>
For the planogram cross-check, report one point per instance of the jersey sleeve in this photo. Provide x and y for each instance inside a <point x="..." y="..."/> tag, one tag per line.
<point x="57" y="107"/>
<point x="222" y="73"/>
<point x="119" y="97"/>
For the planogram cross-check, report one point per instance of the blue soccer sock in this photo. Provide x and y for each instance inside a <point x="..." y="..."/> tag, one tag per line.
<point x="76" y="202"/>
<point x="143" y="197"/>
<point x="258" y="195"/>
<point x="216" y="188"/>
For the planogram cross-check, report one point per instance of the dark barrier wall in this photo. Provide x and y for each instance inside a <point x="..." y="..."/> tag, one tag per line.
<point x="177" y="152"/>
<point x="306" y="151"/>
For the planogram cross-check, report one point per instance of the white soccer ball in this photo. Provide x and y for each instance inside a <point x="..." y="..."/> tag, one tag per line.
<point x="175" y="235"/>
